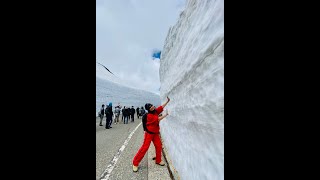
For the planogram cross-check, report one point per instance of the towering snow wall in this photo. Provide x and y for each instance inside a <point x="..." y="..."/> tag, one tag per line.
<point x="110" y="88"/>
<point x="192" y="75"/>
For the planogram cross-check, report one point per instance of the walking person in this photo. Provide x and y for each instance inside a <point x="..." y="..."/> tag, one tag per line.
<point x="123" y="113"/>
<point x="117" y="114"/>
<point x="138" y="112"/>
<point x="126" y="115"/>
<point x="151" y="134"/>
<point x="109" y="115"/>
<point x="101" y="114"/>
<point x="133" y="111"/>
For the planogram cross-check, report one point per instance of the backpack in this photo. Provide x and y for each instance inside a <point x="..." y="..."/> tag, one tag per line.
<point x="142" y="111"/>
<point x="107" y="110"/>
<point x="144" y="123"/>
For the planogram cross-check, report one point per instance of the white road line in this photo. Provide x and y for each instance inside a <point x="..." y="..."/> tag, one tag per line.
<point x="105" y="175"/>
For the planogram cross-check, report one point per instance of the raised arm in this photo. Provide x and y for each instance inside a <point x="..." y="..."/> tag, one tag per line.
<point x="163" y="105"/>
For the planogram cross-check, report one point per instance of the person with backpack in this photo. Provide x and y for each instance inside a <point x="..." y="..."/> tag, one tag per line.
<point x="109" y="115"/>
<point x="142" y="111"/>
<point x="151" y="127"/>
<point x="101" y="114"/>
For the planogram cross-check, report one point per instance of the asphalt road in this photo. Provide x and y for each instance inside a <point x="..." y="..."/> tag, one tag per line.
<point x="115" y="163"/>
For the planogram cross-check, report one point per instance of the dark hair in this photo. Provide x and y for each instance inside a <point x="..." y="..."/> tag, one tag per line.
<point x="148" y="106"/>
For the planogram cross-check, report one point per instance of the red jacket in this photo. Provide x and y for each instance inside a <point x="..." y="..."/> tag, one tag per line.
<point x="153" y="122"/>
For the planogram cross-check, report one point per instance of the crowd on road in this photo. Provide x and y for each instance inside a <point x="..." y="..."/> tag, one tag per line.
<point x="113" y="115"/>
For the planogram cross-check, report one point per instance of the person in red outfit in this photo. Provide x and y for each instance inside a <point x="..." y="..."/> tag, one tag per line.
<point x="153" y="127"/>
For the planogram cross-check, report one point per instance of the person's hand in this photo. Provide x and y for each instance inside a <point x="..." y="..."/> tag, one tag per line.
<point x="166" y="112"/>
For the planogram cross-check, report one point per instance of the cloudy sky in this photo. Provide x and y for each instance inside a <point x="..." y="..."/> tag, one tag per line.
<point x="128" y="31"/>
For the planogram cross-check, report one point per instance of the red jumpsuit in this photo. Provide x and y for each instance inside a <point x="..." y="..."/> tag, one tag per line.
<point x="153" y="126"/>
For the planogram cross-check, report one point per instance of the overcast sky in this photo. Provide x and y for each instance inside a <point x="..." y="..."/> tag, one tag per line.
<point x="127" y="31"/>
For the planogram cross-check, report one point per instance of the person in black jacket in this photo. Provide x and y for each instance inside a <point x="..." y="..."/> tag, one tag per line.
<point x="138" y="112"/>
<point x="129" y="113"/>
<point x="123" y="113"/>
<point x="101" y="114"/>
<point x="126" y="115"/>
<point x="109" y="115"/>
<point x="133" y="111"/>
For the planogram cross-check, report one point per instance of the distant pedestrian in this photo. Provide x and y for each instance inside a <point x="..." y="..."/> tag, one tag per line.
<point x="117" y="114"/>
<point x="123" y="113"/>
<point x="109" y="115"/>
<point x="138" y="112"/>
<point x="101" y="114"/>
<point x="133" y="111"/>
<point x="142" y="111"/>
<point x="126" y="115"/>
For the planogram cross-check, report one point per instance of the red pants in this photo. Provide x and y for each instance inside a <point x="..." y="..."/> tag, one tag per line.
<point x="155" y="138"/>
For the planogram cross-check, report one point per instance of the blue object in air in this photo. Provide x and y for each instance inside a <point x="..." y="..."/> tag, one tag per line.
<point x="156" y="54"/>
